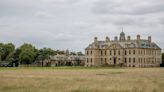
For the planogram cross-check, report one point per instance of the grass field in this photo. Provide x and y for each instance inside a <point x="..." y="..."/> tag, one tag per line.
<point x="79" y="79"/>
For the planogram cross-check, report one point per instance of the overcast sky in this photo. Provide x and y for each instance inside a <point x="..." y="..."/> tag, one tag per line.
<point x="72" y="24"/>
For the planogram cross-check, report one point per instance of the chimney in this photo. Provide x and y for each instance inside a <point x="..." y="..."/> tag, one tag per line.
<point x="107" y="39"/>
<point x="129" y="38"/>
<point x="96" y="42"/>
<point x="95" y="39"/>
<point x="115" y="38"/>
<point x="138" y="37"/>
<point x="149" y="39"/>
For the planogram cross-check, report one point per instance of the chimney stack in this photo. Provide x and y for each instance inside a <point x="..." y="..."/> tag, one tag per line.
<point x="95" y="39"/>
<point x="149" y="39"/>
<point x="115" y="38"/>
<point x="138" y="37"/>
<point x="107" y="39"/>
<point x="129" y="38"/>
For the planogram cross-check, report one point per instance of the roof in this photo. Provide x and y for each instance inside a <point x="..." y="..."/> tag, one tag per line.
<point x="125" y="44"/>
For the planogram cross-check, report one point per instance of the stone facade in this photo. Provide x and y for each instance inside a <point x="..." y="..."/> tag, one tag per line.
<point x="123" y="52"/>
<point x="62" y="60"/>
<point x="67" y="60"/>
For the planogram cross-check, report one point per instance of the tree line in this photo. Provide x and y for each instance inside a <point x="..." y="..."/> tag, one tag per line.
<point x="26" y="53"/>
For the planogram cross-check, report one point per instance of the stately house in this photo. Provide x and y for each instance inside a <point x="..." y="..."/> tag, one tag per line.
<point x="123" y="52"/>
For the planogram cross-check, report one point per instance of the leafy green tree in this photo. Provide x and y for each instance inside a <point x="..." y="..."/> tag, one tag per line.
<point x="27" y="54"/>
<point x="15" y="57"/>
<point x="59" y="52"/>
<point x="6" y="50"/>
<point x="44" y="54"/>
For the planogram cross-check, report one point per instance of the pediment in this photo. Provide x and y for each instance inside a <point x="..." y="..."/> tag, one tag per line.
<point x="114" y="46"/>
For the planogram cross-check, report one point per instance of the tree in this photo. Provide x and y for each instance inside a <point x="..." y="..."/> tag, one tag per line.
<point x="44" y="54"/>
<point x="27" y="54"/>
<point x="6" y="50"/>
<point x="59" y="52"/>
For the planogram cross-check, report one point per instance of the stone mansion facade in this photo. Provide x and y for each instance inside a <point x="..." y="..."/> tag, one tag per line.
<point x="124" y="52"/>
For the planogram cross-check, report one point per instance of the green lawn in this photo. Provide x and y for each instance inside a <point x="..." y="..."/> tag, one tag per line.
<point x="80" y="79"/>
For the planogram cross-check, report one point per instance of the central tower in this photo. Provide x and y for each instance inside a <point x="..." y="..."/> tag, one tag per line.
<point x="122" y="36"/>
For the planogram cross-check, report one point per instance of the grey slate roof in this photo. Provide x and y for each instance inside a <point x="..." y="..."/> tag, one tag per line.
<point x="125" y="44"/>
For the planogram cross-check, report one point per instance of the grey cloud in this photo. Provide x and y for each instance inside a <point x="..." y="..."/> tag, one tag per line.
<point x="72" y="24"/>
<point x="135" y="7"/>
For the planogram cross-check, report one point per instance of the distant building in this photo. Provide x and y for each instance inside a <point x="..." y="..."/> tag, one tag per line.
<point x="67" y="60"/>
<point x="123" y="52"/>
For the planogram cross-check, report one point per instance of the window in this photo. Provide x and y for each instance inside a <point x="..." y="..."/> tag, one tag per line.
<point x="129" y="60"/>
<point x="91" y="60"/>
<point x="125" y="60"/>
<point x="133" y="60"/>
<point x="105" y="52"/>
<point x="91" y="52"/>
<point x="105" y="60"/>
<point x="125" y="52"/>
<point x="110" y="52"/>
<point x="101" y="53"/>
<point x="110" y="59"/>
<point x="129" y="51"/>
<point x="87" y="60"/>
<point x="118" y="52"/>
<point x="114" y="52"/>
<point x="133" y="51"/>
<point x="87" y="53"/>
<point x="101" y="59"/>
